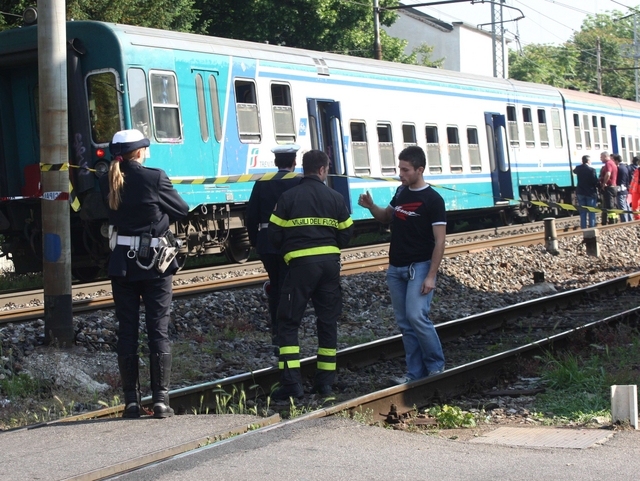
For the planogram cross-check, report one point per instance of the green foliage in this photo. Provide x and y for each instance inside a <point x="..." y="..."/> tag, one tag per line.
<point x="449" y="417"/>
<point x="574" y="64"/>
<point x="19" y="386"/>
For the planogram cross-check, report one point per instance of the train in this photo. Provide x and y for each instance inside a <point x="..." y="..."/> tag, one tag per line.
<point x="213" y="109"/>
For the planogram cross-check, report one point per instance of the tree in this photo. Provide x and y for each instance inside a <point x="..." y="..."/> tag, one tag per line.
<point x="547" y="64"/>
<point x="324" y="25"/>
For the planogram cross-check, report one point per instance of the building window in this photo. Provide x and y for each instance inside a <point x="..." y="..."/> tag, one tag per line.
<point x="529" y="138"/>
<point x="455" y="157"/>
<point x="283" y="124"/>
<point x="409" y="135"/>
<point x="474" y="149"/>
<point x="247" y="111"/>
<point x="433" y="149"/>
<point x="360" y="148"/>
<point x="542" y="128"/>
<point x="512" y="122"/>
<point x="139" y="101"/>
<point x="165" y="106"/>
<point x="385" y="149"/>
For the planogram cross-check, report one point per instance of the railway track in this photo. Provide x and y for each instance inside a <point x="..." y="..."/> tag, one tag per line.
<point x="95" y="296"/>
<point x="391" y="404"/>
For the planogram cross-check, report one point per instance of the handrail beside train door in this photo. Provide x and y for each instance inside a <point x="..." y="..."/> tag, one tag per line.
<point x="325" y="129"/>
<point x="501" y="181"/>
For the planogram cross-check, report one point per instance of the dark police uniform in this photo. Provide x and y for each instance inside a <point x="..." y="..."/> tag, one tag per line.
<point x="149" y="203"/>
<point x="310" y="225"/>
<point x="263" y="198"/>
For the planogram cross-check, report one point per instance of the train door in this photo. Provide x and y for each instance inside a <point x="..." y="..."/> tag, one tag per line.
<point x="499" y="158"/>
<point x="614" y="139"/>
<point x="207" y="96"/>
<point x="325" y="129"/>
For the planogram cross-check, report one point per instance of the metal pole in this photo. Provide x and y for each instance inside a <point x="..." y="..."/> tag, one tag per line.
<point x="598" y="66"/>
<point x="56" y="245"/>
<point x="377" y="46"/>
<point x="494" y="39"/>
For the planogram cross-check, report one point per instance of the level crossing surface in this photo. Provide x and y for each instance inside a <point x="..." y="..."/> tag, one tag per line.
<point x="302" y="449"/>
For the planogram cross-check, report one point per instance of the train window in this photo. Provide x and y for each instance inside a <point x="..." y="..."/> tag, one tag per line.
<point x="577" y="131"/>
<point x="512" y="120"/>
<point x="433" y="149"/>
<point x="247" y="111"/>
<point x="543" y="130"/>
<point x="623" y="143"/>
<point x="166" y="109"/>
<point x="637" y="145"/>
<point x="605" y="136"/>
<point x="557" y="128"/>
<point x="360" y="148"/>
<point x="409" y="135"/>
<point x="474" y="149"/>
<point x="202" y="109"/>
<point x="630" y="151"/>
<point x="385" y="149"/>
<point x="587" y="131"/>
<point x="139" y="101"/>
<point x="283" y="124"/>
<point x="215" y="107"/>
<point x="455" y="157"/>
<point x="104" y="106"/>
<point x="596" y="132"/>
<point x="529" y="138"/>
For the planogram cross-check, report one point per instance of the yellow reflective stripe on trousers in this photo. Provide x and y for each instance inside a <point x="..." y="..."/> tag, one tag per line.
<point x="325" y="351"/>
<point x="326" y="366"/>
<point x="290" y="350"/>
<point x="292" y="364"/>
<point x="311" y="251"/>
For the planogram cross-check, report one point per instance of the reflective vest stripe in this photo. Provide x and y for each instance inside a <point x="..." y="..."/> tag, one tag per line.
<point x="291" y="364"/>
<point x="290" y="350"/>
<point x="327" y="366"/>
<point x="325" y="351"/>
<point x="346" y="224"/>
<point x="310" y="221"/>
<point x="312" y="251"/>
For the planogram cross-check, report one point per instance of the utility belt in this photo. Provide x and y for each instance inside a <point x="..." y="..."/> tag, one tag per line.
<point x="159" y="252"/>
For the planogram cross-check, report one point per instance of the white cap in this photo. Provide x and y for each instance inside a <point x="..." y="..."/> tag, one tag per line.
<point x="126" y="141"/>
<point x="286" y="149"/>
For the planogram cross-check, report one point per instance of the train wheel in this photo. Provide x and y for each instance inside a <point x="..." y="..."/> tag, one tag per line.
<point x="86" y="274"/>
<point x="236" y="252"/>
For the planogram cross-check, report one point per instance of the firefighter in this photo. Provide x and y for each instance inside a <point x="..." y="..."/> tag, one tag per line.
<point x="310" y="224"/>
<point x="141" y="204"/>
<point x="263" y="199"/>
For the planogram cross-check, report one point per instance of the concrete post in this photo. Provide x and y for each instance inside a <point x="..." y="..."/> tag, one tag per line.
<point x="590" y="239"/>
<point x="54" y="152"/>
<point x="550" y="236"/>
<point x="624" y="404"/>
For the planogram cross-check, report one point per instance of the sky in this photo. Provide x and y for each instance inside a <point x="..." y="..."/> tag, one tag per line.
<point x="546" y="21"/>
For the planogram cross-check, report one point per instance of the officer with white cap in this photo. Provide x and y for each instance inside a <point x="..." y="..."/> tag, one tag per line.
<point x="263" y="199"/>
<point x="142" y="204"/>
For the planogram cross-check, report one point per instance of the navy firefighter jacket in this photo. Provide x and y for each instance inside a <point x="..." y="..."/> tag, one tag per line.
<point x="310" y="221"/>
<point x="149" y="204"/>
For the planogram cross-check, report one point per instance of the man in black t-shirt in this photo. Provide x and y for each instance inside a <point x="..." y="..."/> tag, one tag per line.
<point x="418" y="231"/>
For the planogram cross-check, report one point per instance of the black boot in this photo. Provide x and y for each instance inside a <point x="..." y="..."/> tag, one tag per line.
<point x="128" y="366"/>
<point x="160" y="373"/>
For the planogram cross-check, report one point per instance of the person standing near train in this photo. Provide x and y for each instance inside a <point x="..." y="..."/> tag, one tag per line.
<point x="586" y="191"/>
<point x="263" y="199"/>
<point x="310" y="224"/>
<point x="607" y="183"/>
<point x="141" y="204"/>
<point x="418" y="232"/>
<point x="622" y="183"/>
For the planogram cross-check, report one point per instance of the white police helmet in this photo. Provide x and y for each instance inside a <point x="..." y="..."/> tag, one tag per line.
<point x="126" y="141"/>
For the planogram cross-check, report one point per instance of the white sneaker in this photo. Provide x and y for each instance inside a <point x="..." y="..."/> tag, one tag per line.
<point x="396" y="381"/>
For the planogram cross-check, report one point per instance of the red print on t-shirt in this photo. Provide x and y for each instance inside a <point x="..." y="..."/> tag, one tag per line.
<point x="407" y="210"/>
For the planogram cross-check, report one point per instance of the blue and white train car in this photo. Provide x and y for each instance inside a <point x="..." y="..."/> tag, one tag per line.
<point x="214" y="108"/>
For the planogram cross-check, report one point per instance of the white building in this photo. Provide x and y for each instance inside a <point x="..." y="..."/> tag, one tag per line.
<point x="464" y="47"/>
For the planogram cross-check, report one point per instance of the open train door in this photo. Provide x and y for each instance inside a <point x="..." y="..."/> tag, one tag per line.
<point x="499" y="158"/>
<point x="325" y="129"/>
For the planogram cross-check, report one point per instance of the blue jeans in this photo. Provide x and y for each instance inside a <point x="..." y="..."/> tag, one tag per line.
<point x="589" y="202"/>
<point x="411" y="308"/>
<point x="624" y="205"/>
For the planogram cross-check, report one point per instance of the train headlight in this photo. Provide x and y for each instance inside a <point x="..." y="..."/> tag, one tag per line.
<point x="30" y="16"/>
<point x="101" y="167"/>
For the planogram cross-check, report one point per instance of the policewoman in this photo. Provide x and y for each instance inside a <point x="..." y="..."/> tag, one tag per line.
<point x="142" y="204"/>
<point x="263" y="199"/>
